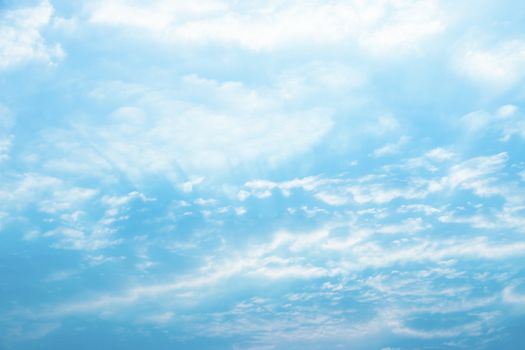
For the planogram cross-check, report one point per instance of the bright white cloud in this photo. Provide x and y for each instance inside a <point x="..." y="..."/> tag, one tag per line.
<point x="426" y="209"/>
<point x="497" y="67"/>
<point x="118" y="201"/>
<point x="20" y="37"/>
<point x="475" y="174"/>
<point x="439" y="154"/>
<point x="50" y="194"/>
<point x="478" y="174"/>
<point x="378" y="27"/>
<point x="331" y="198"/>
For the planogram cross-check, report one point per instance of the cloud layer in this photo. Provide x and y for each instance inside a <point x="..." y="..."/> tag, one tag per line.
<point x="263" y="175"/>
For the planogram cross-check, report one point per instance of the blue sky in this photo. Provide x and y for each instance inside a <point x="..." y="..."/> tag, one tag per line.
<point x="268" y="174"/>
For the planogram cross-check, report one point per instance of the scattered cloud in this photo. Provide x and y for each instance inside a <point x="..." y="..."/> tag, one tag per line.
<point x="262" y="175"/>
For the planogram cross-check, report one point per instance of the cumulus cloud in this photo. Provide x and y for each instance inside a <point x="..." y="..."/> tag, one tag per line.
<point x="498" y="67"/>
<point x="20" y="37"/>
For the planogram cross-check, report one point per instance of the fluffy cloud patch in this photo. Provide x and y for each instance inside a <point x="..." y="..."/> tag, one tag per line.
<point x="497" y="67"/>
<point x="20" y="37"/>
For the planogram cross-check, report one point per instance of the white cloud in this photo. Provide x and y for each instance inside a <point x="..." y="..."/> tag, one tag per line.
<point x="381" y="193"/>
<point x="95" y="260"/>
<point x="6" y="138"/>
<point x="70" y="210"/>
<point x="162" y="318"/>
<point x="319" y="80"/>
<point x="439" y="154"/>
<point x="507" y="111"/>
<point x="331" y="198"/>
<point x="478" y="174"/>
<point x="285" y="256"/>
<point x="512" y="297"/>
<point x="426" y="209"/>
<point x="373" y="255"/>
<point x="20" y="38"/>
<point x="202" y="201"/>
<point x="60" y="275"/>
<point x="378" y="27"/>
<point x="508" y="218"/>
<point x="391" y="148"/>
<point x="294" y="271"/>
<point x="505" y="120"/>
<point x="474" y="174"/>
<point x="6" y="119"/>
<point x="85" y="239"/>
<point x="385" y="124"/>
<point x="66" y="199"/>
<point x="476" y="221"/>
<point x="511" y="127"/>
<point x="118" y="201"/>
<point x="188" y="185"/>
<point x="475" y="121"/>
<point x="49" y="194"/>
<point x="407" y="226"/>
<point x="5" y="145"/>
<point x="344" y="244"/>
<point x="473" y="328"/>
<point x="497" y="67"/>
<point x="34" y="331"/>
<point x="243" y="195"/>
<point x="321" y="187"/>
<point x="240" y="211"/>
<point x="236" y="126"/>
